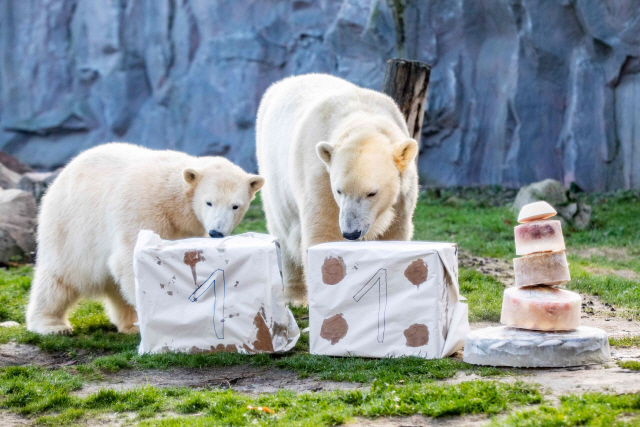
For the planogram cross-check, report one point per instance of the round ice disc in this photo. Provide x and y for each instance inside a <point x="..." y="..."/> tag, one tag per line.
<point x="505" y="346"/>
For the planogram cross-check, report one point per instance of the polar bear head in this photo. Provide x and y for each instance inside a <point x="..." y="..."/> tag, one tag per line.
<point x="221" y="193"/>
<point x="366" y="172"/>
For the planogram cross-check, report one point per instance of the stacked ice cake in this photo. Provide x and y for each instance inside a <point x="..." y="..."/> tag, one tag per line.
<point x="542" y="322"/>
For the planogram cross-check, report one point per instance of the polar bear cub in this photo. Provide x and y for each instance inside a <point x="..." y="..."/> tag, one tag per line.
<point x="338" y="163"/>
<point x="91" y="215"/>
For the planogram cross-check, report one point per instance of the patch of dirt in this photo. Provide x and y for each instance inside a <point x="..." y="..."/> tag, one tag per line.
<point x="620" y="254"/>
<point x="578" y="380"/>
<point x="617" y="322"/>
<point x="417" y="420"/>
<point x="12" y="354"/>
<point x="8" y="419"/>
<point x="625" y="274"/>
<point x="242" y="378"/>
<point x="499" y="268"/>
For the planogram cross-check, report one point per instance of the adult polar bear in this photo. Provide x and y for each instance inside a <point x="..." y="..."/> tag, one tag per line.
<point x="338" y="163"/>
<point x="91" y="215"/>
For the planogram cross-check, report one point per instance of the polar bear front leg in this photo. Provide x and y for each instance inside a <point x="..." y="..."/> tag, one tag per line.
<point x="316" y="229"/>
<point x="49" y="303"/>
<point x="295" y="290"/>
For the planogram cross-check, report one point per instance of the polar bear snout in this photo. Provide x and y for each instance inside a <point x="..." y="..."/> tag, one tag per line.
<point x="354" y="235"/>
<point x="215" y="234"/>
<point x="355" y="217"/>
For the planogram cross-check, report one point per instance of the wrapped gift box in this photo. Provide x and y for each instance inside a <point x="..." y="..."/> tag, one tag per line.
<point x="380" y="299"/>
<point x="208" y="295"/>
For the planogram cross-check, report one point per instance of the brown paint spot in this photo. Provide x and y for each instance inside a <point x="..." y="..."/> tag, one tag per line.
<point x="333" y="270"/>
<point x="417" y="335"/>
<point x="263" y="337"/>
<point x="170" y="293"/>
<point x="191" y="258"/>
<point x="334" y="328"/>
<point x="417" y="272"/>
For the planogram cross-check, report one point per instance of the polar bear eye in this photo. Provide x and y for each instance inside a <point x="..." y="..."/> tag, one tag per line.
<point x="235" y="207"/>
<point x="373" y="193"/>
<point x="209" y="204"/>
<point x="339" y="192"/>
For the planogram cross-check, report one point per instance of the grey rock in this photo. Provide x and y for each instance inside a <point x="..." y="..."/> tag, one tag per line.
<point x="8" y="178"/>
<point x="14" y="164"/>
<point x="582" y="218"/>
<point x="568" y="211"/>
<point x="548" y="190"/>
<point x="37" y="183"/>
<point x="9" y="324"/>
<point x="18" y="214"/>
<point x="576" y="214"/>
<point x="520" y="91"/>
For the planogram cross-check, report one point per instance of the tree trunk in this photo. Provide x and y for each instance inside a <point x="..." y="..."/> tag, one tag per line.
<point x="407" y="82"/>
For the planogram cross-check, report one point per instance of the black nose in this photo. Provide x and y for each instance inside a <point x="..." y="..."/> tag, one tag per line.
<point x="353" y="235"/>
<point x="215" y="234"/>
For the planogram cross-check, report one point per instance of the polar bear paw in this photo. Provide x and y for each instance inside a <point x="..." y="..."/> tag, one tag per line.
<point x="129" y="329"/>
<point x="53" y="329"/>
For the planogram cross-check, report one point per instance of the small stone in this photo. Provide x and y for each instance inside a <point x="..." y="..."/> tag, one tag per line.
<point x="9" y="324"/>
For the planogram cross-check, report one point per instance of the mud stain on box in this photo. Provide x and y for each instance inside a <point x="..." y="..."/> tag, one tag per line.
<point x="191" y="258"/>
<point x="220" y="348"/>
<point x="263" y="337"/>
<point x="334" y="328"/>
<point x="417" y="335"/>
<point x="417" y="272"/>
<point x="333" y="270"/>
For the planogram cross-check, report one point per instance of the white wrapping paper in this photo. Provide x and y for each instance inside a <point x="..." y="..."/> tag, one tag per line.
<point x="208" y="295"/>
<point x="381" y="299"/>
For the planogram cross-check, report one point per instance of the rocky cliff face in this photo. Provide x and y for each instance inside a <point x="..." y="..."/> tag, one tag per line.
<point x="521" y="90"/>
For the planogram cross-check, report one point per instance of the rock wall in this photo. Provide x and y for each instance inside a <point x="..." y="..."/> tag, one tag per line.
<point x="521" y="90"/>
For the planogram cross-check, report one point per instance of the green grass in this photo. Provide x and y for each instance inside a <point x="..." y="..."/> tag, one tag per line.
<point x="591" y="409"/>
<point x="40" y="393"/>
<point x="610" y="288"/>
<point x="14" y="286"/>
<point x="324" y="409"/>
<point x="625" y="342"/>
<point x="629" y="364"/>
<point x="483" y="293"/>
<point x="485" y="230"/>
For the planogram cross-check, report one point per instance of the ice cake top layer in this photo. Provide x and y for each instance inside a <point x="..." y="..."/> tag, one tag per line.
<point x="536" y="211"/>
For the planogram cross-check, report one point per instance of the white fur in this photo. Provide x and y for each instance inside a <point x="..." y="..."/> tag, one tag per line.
<point x="91" y="215"/>
<point x="337" y="160"/>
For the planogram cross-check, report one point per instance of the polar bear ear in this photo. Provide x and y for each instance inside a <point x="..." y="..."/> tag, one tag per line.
<point x="404" y="153"/>
<point x="255" y="183"/>
<point x="325" y="150"/>
<point x="191" y="176"/>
